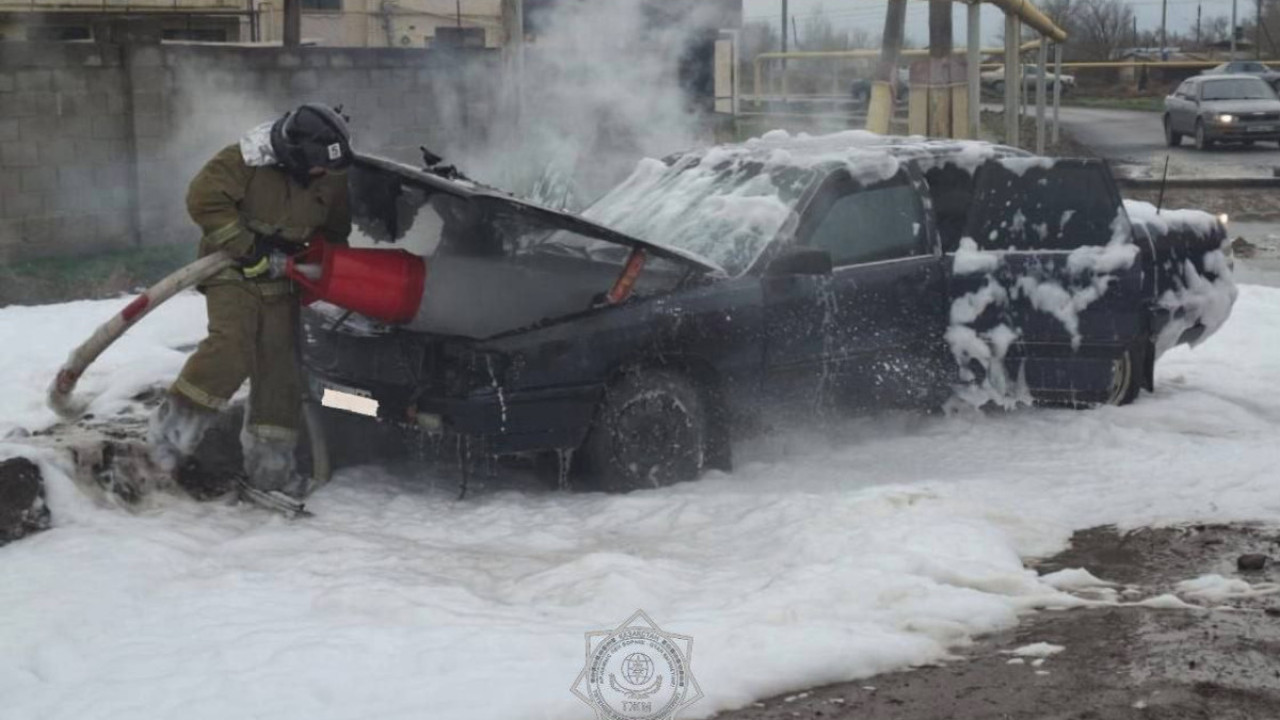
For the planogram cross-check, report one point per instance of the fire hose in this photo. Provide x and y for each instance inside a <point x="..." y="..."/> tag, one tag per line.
<point x="62" y="401"/>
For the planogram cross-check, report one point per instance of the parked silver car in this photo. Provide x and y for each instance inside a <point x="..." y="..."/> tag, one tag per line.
<point x="1247" y="67"/>
<point x="1222" y="108"/>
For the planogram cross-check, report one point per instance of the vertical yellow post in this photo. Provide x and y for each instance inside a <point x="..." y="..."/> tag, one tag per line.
<point x="880" y="109"/>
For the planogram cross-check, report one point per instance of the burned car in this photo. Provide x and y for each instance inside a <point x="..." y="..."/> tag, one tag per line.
<point x="782" y="275"/>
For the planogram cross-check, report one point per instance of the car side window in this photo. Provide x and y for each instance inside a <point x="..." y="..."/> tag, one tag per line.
<point x="1184" y="90"/>
<point x="868" y="224"/>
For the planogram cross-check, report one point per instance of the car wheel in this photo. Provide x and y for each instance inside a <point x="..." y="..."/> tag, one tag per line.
<point x="1126" y="378"/>
<point x="1171" y="138"/>
<point x="1202" y="142"/>
<point x="650" y="430"/>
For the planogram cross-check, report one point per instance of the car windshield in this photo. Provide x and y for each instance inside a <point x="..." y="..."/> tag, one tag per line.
<point x="1237" y="89"/>
<point x="723" y="205"/>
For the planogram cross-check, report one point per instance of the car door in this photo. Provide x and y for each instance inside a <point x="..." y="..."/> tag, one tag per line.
<point x="1178" y="108"/>
<point x="869" y="333"/>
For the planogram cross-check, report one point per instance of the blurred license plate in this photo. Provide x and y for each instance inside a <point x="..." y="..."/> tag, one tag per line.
<point x="351" y="401"/>
<point x="1260" y="128"/>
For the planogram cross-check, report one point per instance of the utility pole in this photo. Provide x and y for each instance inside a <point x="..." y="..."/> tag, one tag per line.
<point x="1257" y="33"/>
<point x="1233" y="28"/>
<point x="940" y="44"/>
<point x="292" y="35"/>
<point x="1164" y="27"/>
<point x="880" y="109"/>
<point x="1135" y="32"/>
<point x="783" y="29"/>
<point x="1197" y="26"/>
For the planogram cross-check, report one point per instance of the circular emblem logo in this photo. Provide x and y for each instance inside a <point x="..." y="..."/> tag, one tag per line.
<point x="637" y="672"/>
<point x="637" y="668"/>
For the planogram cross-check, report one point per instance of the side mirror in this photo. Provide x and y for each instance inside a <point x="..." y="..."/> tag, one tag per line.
<point x="800" y="261"/>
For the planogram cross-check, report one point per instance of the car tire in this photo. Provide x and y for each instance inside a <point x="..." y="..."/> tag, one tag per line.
<point x="1202" y="141"/>
<point x="1171" y="138"/>
<point x="1127" y="378"/>
<point x="651" y="430"/>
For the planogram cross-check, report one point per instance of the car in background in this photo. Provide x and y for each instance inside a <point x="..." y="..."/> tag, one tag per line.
<point x="993" y="80"/>
<point x="860" y="88"/>
<point x="1222" y="108"/>
<point x="1247" y="67"/>
<point x="735" y="286"/>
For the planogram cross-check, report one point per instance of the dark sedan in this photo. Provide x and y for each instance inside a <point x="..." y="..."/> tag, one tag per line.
<point x="783" y="277"/>
<point x="1222" y="108"/>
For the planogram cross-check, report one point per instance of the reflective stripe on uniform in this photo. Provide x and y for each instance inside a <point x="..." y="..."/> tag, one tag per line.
<point x="222" y="235"/>
<point x="272" y="432"/>
<point x="197" y="396"/>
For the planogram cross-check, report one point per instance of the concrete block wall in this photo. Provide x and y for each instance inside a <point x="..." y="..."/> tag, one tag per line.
<point x="64" y="141"/>
<point x="98" y="142"/>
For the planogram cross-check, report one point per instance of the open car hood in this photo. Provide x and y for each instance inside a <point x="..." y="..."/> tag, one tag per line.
<point x="484" y="195"/>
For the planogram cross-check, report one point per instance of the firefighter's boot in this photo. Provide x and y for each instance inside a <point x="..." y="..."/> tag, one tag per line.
<point x="175" y="431"/>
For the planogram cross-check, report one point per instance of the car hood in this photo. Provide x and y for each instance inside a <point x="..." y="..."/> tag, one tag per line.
<point x="1240" y="106"/>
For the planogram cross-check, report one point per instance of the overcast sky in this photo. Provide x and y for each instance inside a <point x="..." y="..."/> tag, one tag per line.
<point x="869" y="14"/>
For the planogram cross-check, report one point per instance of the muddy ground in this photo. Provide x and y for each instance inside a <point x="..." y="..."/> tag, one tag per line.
<point x="1219" y="662"/>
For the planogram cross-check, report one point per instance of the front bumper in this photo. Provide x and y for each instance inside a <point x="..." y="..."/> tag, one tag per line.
<point x="507" y="421"/>
<point x="1241" y="131"/>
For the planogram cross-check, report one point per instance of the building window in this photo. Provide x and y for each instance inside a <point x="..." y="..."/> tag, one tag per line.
<point x="328" y="5"/>
<point x="196" y="35"/>
<point x="46" y="33"/>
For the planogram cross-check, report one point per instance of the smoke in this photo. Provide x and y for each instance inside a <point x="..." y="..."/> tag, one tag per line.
<point x="598" y="88"/>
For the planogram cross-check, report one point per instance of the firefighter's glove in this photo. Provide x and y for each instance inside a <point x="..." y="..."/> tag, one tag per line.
<point x="258" y="261"/>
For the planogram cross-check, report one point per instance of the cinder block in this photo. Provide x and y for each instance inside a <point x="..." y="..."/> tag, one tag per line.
<point x="147" y="56"/>
<point x="341" y="60"/>
<point x="70" y="81"/>
<point x="20" y="206"/>
<point x="46" y="103"/>
<point x="304" y="81"/>
<point x="10" y="232"/>
<point x="288" y="59"/>
<point x="10" y="183"/>
<point x="17" y="153"/>
<point x="148" y="102"/>
<point x="7" y="83"/>
<point x="41" y="178"/>
<point x="110" y="176"/>
<point x="150" y="79"/>
<point x="43" y="229"/>
<point x="75" y="179"/>
<point x="8" y="129"/>
<point x="75" y="127"/>
<point x="109" y="127"/>
<point x="315" y="58"/>
<point x="70" y="103"/>
<point x="18" y="105"/>
<point x="33" y="80"/>
<point x="55" y="153"/>
<point x="149" y="125"/>
<point x="116" y="103"/>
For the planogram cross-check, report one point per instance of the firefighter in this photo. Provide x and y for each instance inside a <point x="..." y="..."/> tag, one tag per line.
<point x="271" y="193"/>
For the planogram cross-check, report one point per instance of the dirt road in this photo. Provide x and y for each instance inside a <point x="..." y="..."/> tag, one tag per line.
<point x="1133" y="141"/>
<point x="1217" y="659"/>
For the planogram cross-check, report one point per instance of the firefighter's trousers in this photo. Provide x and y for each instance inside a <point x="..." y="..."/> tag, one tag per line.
<point x="252" y="335"/>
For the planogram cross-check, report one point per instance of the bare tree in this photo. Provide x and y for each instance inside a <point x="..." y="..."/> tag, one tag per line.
<point x="758" y="37"/>
<point x="1102" y="27"/>
<point x="821" y="34"/>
